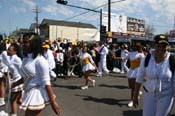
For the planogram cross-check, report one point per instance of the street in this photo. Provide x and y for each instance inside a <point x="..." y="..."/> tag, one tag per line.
<point x="109" y="97"/>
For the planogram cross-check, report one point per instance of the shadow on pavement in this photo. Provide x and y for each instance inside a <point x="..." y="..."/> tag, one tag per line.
<point x="114" y="86"/>
<point x="136" y="113"/>
<point x="108" y="101"/>
<point x="132" y="113"/>
<point x="66" y="86"/>
<point x="117" y="75"/>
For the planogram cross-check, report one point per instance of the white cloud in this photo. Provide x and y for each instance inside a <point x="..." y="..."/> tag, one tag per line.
<point x="55" y="9"/>
<point x="20" y="6"/>
<point x="18" y="10"/>
<point x="51" y="9"/>
<point x="28" y="3"/>
<point x="170" y="4"/>
<point x="65" y="11"/>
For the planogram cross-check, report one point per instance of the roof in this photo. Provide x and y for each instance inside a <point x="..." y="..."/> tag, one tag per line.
<point x="66" y="23"/>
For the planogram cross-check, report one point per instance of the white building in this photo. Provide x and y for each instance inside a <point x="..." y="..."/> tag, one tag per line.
<point x="73" y="31"/>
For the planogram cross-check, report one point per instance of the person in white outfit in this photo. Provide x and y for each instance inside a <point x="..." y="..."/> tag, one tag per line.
<point x="124" y="54"/>
<point x="59" y="61"/>
<point x="14" y="64"/>
<point x="103" y="50"/>
<point x="135" y="56"/>
<point x="48" y="54"/>
<point x="88" y="66"/>
<point x="3" y="70"/>
<point x="37" y="87"/>
<point x="158" y="78"/>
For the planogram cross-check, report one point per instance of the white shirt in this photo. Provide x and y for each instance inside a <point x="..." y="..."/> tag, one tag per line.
<point x="124" y="55"/>
<point x="41" y="77"/>
<point x="50" y="58"/>
<point x="104" y="52"/>
<point x="161" y="73"/>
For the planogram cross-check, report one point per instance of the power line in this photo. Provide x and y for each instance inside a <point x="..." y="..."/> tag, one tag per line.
<point x="93" y="9"/>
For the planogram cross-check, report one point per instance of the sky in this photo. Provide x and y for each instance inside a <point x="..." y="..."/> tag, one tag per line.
<point x="16" y="14"/>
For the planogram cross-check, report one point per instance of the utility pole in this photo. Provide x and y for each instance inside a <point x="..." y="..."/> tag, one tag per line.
<point x="174" y="23"/>
<point x="109" y="15"/>
<point x="101" y="18"/>
<point x="36" y="10"/>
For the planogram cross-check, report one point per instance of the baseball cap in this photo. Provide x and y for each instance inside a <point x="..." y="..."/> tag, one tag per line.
<point x="46" y="46"/>
<point x="161" y="38"/>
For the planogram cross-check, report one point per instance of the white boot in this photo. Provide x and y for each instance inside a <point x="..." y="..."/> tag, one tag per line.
<point x="2" y="102"/>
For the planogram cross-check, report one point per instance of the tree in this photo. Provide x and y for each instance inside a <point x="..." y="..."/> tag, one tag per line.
<point x="149" y="30"/>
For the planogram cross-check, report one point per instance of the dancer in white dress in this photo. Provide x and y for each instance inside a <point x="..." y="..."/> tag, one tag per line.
<point x="13" y="62"/>
<point x="3" y="70"/>
<point x="88" y="67"/>
<point x="35" y="70"/>
<point x="135" y="56"/>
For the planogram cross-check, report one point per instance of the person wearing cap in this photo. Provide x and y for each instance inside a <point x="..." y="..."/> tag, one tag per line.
<point x="50" y="58"/>
<point x="157" y="79"/>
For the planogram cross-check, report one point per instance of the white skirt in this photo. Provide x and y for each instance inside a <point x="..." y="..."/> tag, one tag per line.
<point x="132" y="73"/>
<point x="35" y="99"/>
<point x="88" y="67"/>
<point x="18" y="88"/>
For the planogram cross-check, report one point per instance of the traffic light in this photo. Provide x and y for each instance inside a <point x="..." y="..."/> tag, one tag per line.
<point x="62" y="2"/>
<point x="103" y="29"/>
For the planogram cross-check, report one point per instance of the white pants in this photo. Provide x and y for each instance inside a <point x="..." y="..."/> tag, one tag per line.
<point x="102" y="67"/>
<point x="157" y="106"/>
<point x="124" y="67"/>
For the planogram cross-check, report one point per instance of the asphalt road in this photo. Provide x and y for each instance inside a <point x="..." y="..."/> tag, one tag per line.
<point x="109" y="97"/>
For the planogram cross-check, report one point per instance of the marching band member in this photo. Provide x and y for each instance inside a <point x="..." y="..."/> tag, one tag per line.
<point x="35" y="72"/>
<point x="159" y="85"/>
<point x="88" y="67"/>
<point x="14" y="64"/>
<point x="135" y="56"/>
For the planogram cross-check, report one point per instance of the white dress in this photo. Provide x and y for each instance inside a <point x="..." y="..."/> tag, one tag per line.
<point x="37" y="77"/>
<point x="2" y="67"/>
<point x="14" y="64"/>
<point x="87" y="62"/>
<point x="132" y="73"/>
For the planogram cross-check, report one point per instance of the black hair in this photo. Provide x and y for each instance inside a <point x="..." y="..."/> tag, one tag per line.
<point x="1" y="37"/>
<point x="36" y="47"/>
<point x="16" y="48"/>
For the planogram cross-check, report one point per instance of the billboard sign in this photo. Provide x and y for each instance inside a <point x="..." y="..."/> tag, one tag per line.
<point x="124" y="24"/>
<point x="118" y="22"/>
<point x="135" y="26"/>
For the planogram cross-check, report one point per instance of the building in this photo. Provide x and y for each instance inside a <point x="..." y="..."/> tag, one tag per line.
<point x="72" y="31"/>
<point x="20" y="32"/>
